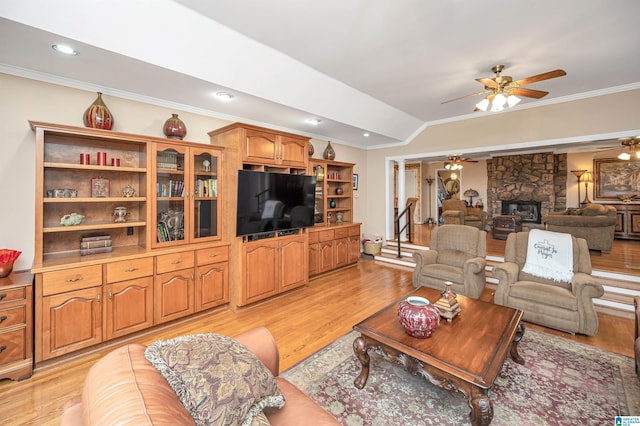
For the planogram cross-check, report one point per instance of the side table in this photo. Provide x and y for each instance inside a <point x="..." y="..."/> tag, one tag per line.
<point x="16" y="326"/>
<point x="504" y="225"/>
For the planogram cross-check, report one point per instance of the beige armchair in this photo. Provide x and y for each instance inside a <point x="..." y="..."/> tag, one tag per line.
<point x="566" y="306"/>
<point x="457" y="254"/>
<point x="456" y="212"/>
<point x="595" y="223"/>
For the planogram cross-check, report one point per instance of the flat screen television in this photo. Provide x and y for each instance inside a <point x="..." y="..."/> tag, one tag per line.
<point x="272" y="202"/>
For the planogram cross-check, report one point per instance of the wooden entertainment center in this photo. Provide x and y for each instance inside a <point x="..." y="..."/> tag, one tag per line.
<point x="150" y="238"/>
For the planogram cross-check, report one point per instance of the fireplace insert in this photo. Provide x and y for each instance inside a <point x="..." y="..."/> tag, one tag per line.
<point x="529" y="211"/>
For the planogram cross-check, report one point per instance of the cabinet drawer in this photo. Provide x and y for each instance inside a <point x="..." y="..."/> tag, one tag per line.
<point x="12" y="346"/>
<point x="326" y="235"/>
<point x="13" y="316"/>
<point x="212" y="255"/>
<point x="129" y="269"/>
<point x="354" y="231"/>
<point x="174" y="262"/>
<point x="313" y="237"/>
<point x="71" y="279"/>
<point x="342" y="233"/>
<point x="11" y="295"/>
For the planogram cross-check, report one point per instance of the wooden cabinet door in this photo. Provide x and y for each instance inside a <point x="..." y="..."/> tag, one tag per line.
<point x="173" y="295"/>
<point x="326" y="257"/>
<point x="294" y="266"/>
<point x="294" y="152"/>
<point x="212" y="285"/>
<point x="634" y="222"/>
<point x="260" y="147"/>
<point x="314" y="259"/>
<point x="128" y="307"/>
<point x="260" y="278"/>
<point x="354" y="249"/>
<point x="341" y="251"/>
<point x="71" y="321"/>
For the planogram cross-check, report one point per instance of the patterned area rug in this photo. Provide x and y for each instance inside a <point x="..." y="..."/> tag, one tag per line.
<point x="562" y="382"/>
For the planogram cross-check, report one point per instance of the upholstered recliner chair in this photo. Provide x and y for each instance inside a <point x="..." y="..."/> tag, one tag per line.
<point x="595" y="223"/>
<point x="566" y="306"/>
<point x="456" y="212"/>
<point x="457" y="254"/>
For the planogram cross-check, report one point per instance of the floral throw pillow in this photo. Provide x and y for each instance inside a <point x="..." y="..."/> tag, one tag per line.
<point x="217" y="379"/>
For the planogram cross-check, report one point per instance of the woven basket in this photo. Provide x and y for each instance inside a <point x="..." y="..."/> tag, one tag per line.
<point x="372" y="248"/>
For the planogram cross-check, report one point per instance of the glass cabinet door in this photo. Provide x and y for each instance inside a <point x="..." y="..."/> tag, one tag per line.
<point x="205" y="218"/>
<point x="319" y="172"/>
<point x="170" y="199"/>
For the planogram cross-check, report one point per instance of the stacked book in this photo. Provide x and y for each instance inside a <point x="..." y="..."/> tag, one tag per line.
<point x="448" y="306"/>
<point x="95" y="244"/>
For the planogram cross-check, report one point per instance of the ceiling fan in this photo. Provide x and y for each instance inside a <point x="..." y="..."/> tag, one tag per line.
<point x="502" y="90"/>
<point x="454" y="162"/>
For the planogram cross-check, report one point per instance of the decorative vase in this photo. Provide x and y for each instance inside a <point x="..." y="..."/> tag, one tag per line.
<point x="332" y="204"/>
<point x="329" y="153"/>
<point x="174" y="128"/>
<point x="339" y="191"/>
<point x="311" y="149"/>
<point x="418" y="316"/>
<point x="98" y="116"/>
<point x="7" y="257"/>
<point x="339" y="217"/>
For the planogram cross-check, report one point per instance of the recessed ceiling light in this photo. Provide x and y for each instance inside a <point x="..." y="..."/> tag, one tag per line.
<point x="366" y="134"/>
<point x="313" y="121"/>
<point x="224" y="96"/>
<point x="63" y="48"/>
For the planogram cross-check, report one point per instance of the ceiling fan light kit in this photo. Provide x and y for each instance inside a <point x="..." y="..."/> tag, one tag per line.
<point x="503" y="92"/>
<point x="633" y="148"/>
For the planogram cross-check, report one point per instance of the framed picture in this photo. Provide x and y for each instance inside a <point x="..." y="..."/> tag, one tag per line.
<point x="355" y="182"/>
<point x="100" y="187"/>
<point x="614" y="178"/>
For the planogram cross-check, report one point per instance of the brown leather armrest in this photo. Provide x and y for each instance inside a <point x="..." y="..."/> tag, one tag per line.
<point x="260" y="341"/>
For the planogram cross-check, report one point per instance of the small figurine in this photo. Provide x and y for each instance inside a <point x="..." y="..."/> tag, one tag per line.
<point x="128" y="191"/>
<point x="71" y="219"/>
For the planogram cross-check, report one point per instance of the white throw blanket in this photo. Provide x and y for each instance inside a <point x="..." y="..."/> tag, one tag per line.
<point x="549" y="255"/>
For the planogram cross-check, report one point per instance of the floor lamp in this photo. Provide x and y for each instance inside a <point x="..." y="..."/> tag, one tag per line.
<point x="430" y="182"/>
<point x="578" y="174"/>
<point x="586" y="178"/>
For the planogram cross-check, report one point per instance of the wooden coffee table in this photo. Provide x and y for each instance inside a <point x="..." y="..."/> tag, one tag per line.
<point x="463" y="355"/>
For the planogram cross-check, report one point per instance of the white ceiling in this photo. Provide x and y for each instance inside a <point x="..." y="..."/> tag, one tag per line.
<point x="378" y="66"/>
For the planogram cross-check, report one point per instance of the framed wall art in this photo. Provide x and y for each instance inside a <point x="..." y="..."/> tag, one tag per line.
<point x="355" y="182"/>
<point x="615" y="178"/>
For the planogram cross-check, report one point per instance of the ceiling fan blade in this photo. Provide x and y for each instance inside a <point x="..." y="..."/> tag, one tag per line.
<point x="541" y="77"/>
<point x="529" y="93"/>
<point x="488" y="82"/>
<point x="466" y="96"/>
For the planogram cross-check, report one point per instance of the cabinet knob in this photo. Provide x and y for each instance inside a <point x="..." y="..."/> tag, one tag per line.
<point x="176" y="262"/>
<point x="131" y="269"/>
<point x="73" y="280"/>
<point x="3" y="295"/>
<point x="3" y="347"/>
<point x="3" y="318"/>
<point x="213" y="255"/>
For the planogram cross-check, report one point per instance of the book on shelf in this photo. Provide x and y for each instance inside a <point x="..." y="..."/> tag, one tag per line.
<point x="95" y="244"/>
<point x="84" y="252"/>
<point x="96" y="238"/>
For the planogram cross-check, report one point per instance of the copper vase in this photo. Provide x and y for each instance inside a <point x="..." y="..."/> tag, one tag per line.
<point x="329" y="153"/>
<point x="98" y="116"/>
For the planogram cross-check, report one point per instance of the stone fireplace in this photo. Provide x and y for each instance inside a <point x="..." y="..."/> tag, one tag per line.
<point x="533" y="184"/>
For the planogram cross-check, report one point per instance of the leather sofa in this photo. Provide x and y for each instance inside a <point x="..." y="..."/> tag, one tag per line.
<point x="595" y="223"/>
<point x="636" y="303"/>
<point x="124" y="388"/>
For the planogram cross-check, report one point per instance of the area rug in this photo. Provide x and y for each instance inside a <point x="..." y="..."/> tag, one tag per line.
<point x="562" y="382"/>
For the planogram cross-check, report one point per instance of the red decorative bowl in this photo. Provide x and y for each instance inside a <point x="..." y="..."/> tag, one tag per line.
<point x="418" y="316"/>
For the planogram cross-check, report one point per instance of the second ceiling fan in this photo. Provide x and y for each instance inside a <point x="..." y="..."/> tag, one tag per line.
<point x="455" y="160"/>
<point x="502" y="90"/>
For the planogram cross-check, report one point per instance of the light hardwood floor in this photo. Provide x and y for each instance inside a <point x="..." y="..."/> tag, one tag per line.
<point x="302" y="322"/>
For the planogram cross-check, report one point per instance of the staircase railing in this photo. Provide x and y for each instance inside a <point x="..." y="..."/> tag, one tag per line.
<point x="407" y="225"/>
